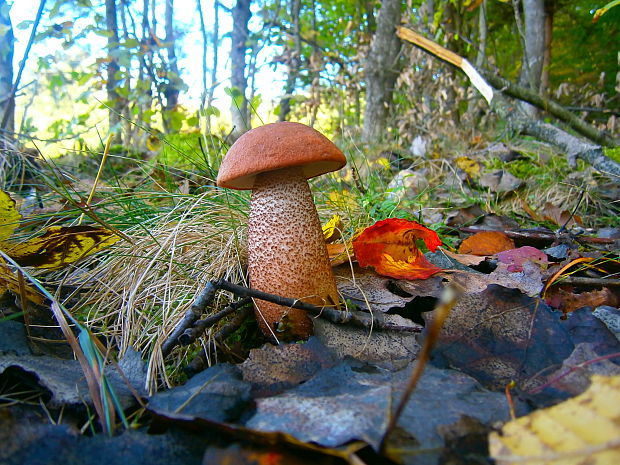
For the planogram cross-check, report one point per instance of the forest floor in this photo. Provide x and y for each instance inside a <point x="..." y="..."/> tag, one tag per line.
<point x="524" y="367"/>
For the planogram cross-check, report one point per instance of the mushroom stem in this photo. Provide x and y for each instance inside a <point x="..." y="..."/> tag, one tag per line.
<point x="286" y="253"/>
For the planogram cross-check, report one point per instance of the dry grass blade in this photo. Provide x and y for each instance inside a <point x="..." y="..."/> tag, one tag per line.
<point x="448" y="300"/>
<point x="136" y="293"/>
<point x="90" y="359"/>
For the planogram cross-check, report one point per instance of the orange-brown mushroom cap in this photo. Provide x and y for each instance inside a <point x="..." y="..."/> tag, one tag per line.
<point x="276" y="146"/>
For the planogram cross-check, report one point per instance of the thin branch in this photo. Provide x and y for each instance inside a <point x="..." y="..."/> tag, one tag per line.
<point x="572" y="369"/>
<point x="359" y="319"/>
<point x="191" y="316"/>
<point x="22" y="65"/>
<point x="200" y="362"/>
<point x="200" y="326"/>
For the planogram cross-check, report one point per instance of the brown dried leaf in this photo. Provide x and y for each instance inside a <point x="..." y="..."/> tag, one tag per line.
<point x="486" y="243"/>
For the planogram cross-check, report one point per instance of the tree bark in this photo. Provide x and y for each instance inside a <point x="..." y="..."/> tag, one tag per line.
<point x="7" y="96"/>
<point x="481" y="55"/>
<point x="294" y="57"/>
<point x="534" y="49"/>
<point x="549" y="15"/>
<point x="114" y="101"/>
<point x="382" y="70"/>
<point x="173" y="80"/>
<point x="240" y="33"/>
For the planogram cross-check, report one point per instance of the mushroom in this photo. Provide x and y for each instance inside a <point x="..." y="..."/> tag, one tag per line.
<point x="286" y="249"/>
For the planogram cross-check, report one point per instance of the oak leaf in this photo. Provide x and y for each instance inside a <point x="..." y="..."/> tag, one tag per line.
<point x="389" y="246"/>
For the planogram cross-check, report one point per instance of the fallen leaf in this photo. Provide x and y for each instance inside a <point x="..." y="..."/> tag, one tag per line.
<point x="500" y="335"/>
<point x="9" y="216"/>
<point x="389" y="246"/>
<point x="10" y="281"/>
<point x="339" y="253"/>
<point x="218" y="394"/>
<point x="566" y="300"/>
<point x="464" y="216"/>
<point x="515" y="258"/>
<point x="471" y="167"/>
<point x="273" y="369"/>
<point x="374" y="293"/>
<point x="29" y="438"/>
<point x="575" y="374"/>
<point x="584" y="429"/>
<point x="560" y="217"/>
<point x="528" y="280"/>
<point x="500" y="181"/>
<point x="332" y="229"/>
<point x="62" y="379"/>
<point x="465" y="259"/>
<point x="60" y="246"/>
<point x="384" y="348"/>
<point x="486" y="243"/>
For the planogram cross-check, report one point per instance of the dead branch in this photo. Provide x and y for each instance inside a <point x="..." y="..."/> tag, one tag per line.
<point x="573" y="146"/>
<point x="191" y="327"/>
<point x="513" y="90"/>
<point x="353" y="318"/>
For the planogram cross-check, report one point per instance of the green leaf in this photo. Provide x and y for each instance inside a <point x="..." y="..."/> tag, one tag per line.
<point x="26" y="24"/>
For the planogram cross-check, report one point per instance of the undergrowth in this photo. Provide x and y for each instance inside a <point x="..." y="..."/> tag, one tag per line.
<point x="183" y="230"/>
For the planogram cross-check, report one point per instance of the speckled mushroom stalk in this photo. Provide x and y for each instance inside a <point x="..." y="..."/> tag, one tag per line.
<point x="286" y="252"/>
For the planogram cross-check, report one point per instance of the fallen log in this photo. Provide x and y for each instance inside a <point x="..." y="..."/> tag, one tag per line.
<point x="574" y="147"/>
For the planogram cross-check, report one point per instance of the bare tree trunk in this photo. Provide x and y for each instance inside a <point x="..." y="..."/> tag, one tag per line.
<point x="482" y="34"/>
<point x="128" y="124"/>
<point x="381" y="70"/>
<point x="549" y="14"/>
<point x="294" y="57"/>
<point x="316" y="64"/>
<point x="533" y="52"/>
<point x="216" y="45"/>
<point x="240" y="33"/>
<point x="114" y="100"/>
<point x="173" y="83"/>
<point x="205" y="46"/>
<point x="7" y="96"/>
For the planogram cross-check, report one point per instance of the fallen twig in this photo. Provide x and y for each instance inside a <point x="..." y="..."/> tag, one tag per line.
<point x="359" y="319"/>
<point x="200" y="362"/>
<point x="190" y="327"/>
<point x="190" y="317"/>
<point x="200" y="326"/>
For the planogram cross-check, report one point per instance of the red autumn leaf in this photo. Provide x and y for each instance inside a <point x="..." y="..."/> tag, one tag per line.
<point x="389" y="246"/>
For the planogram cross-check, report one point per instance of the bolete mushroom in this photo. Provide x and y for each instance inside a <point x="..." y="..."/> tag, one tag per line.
<point x="286" y="249"/>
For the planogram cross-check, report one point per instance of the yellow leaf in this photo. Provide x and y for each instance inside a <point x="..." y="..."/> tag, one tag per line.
<point x="8" y="280"/>
<point x="332" y="229"/>
<point x="343" y="199"/>
<point x="471" y="167"/>
<point x="60" y="246"/>
<point x="9" y="216"/>
<point x="584" y="429"/>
